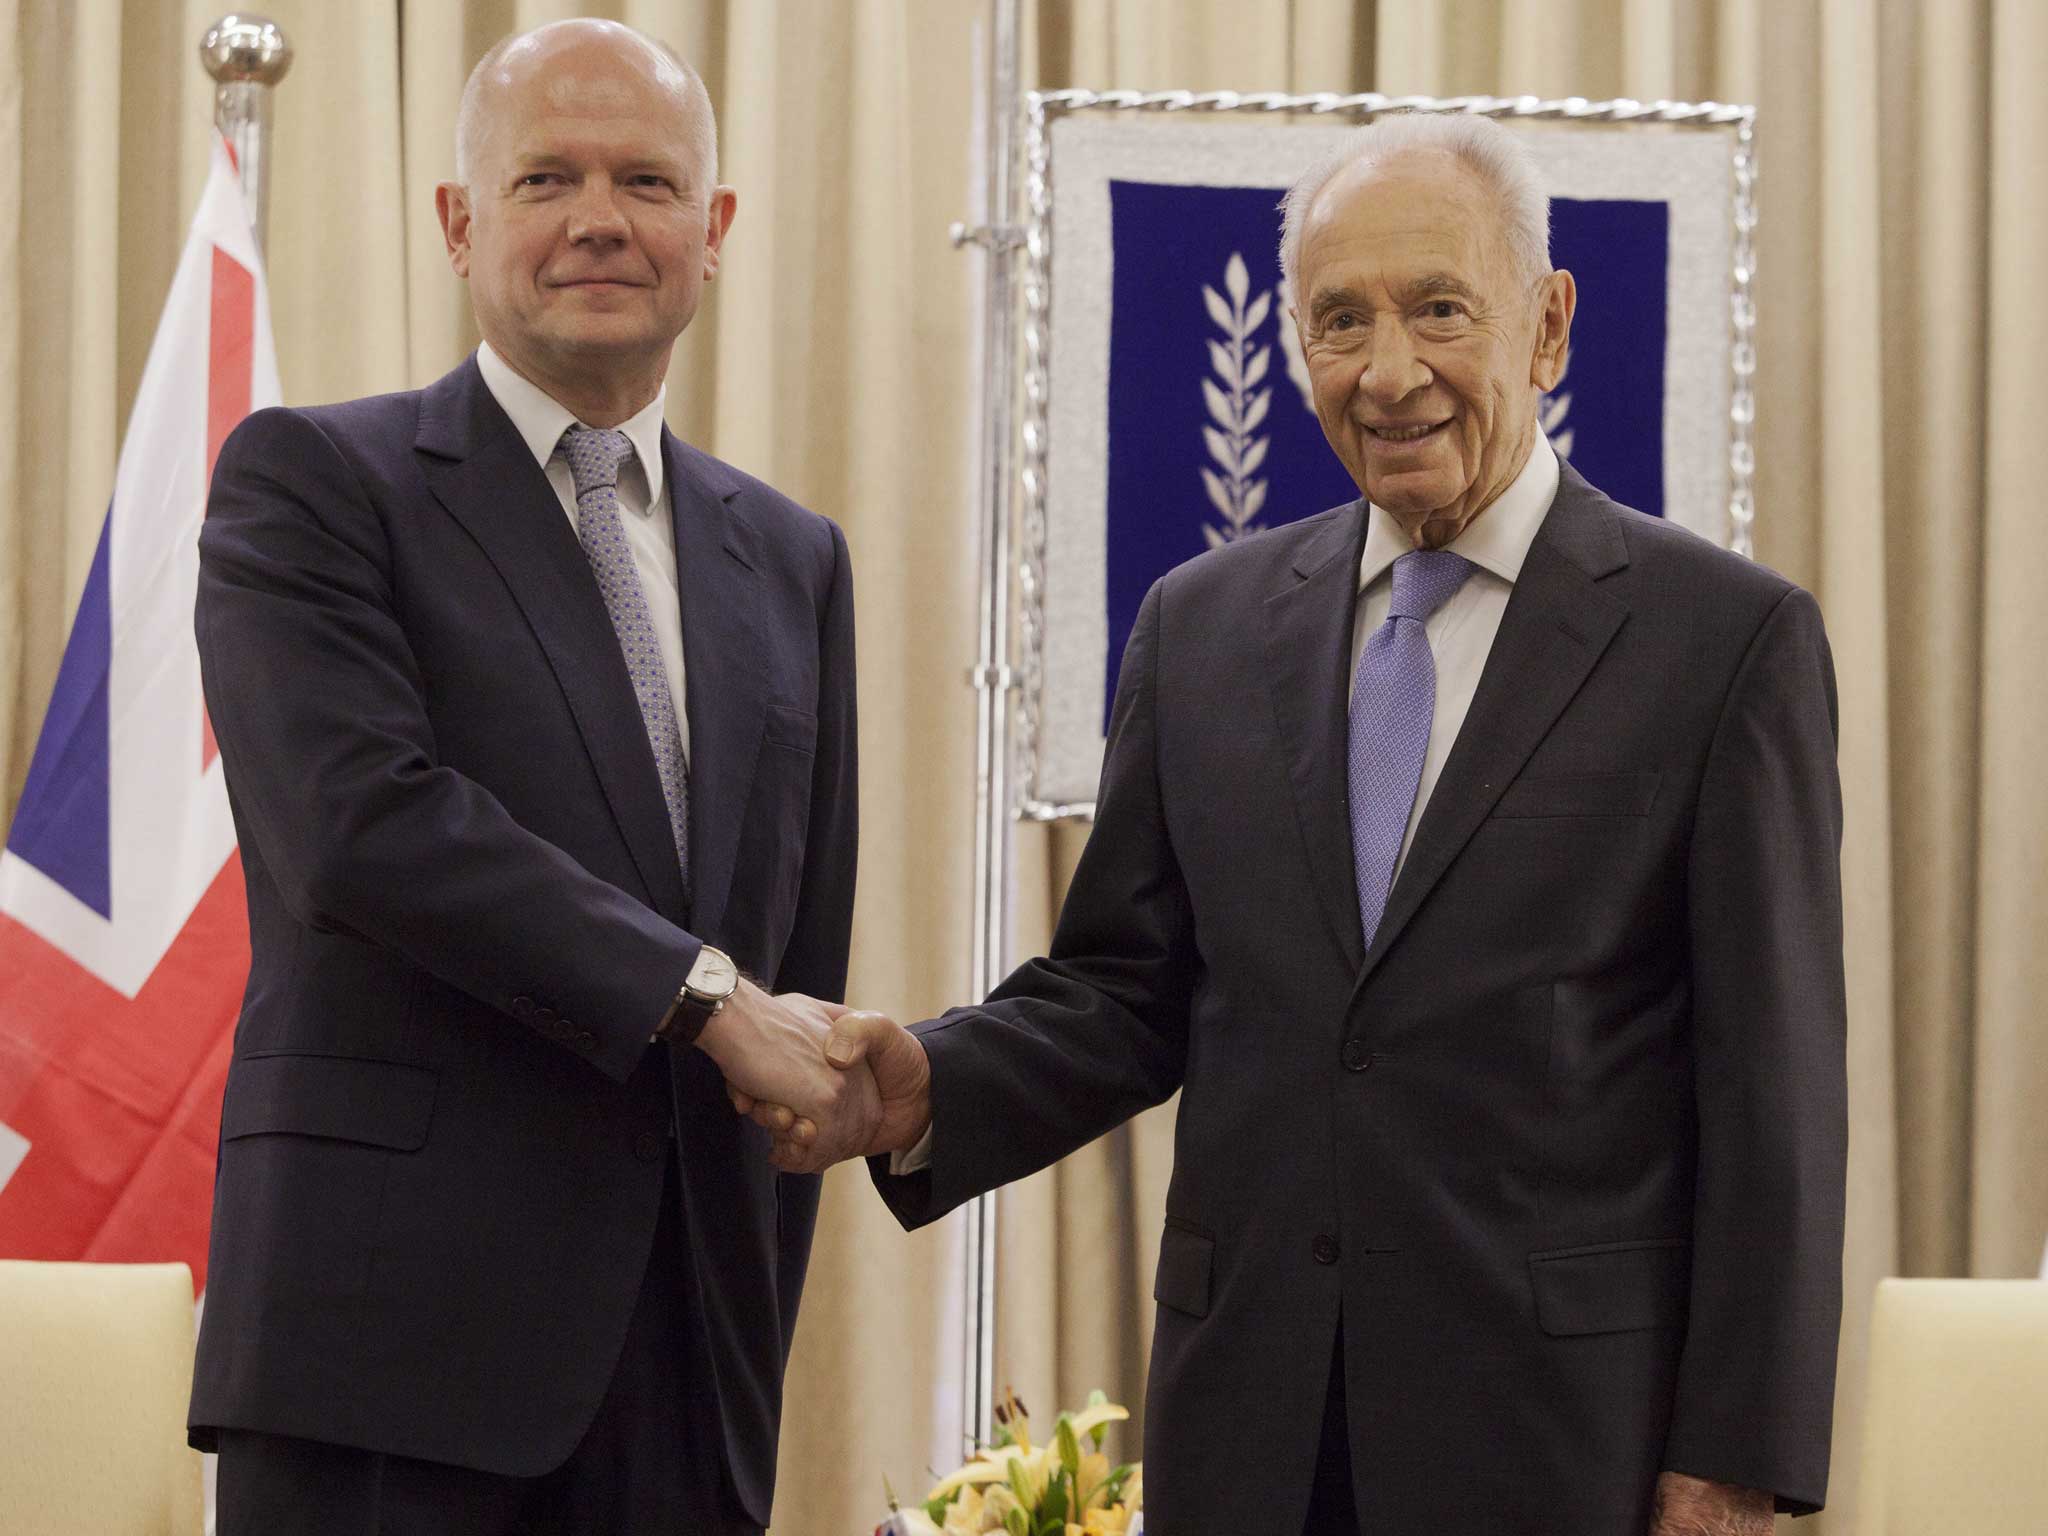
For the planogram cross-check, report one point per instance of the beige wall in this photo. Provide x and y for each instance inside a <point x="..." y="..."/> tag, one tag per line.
<point x="1903" y="339"/>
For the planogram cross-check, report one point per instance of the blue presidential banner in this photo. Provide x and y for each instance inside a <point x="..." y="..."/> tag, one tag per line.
<point x="1177" y="409"/>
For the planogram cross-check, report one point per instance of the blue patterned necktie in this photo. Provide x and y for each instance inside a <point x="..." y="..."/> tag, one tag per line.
<point x="594" y="457"/>
<point x="1393" y="702"/>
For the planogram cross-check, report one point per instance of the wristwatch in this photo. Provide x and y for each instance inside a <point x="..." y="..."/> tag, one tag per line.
<point x="712" y="980"/>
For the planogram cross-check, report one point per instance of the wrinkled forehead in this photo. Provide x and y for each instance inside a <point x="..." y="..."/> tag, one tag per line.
<point x="559" y="94"/>
<point x="1425" y="203"/>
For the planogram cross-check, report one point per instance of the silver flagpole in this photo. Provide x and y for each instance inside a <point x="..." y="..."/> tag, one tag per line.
<point x="992" y="676"/>
<point x="247" y="55"/>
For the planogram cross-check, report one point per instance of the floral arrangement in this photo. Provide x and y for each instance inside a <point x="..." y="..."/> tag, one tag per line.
<point x="1065" y="1487"/>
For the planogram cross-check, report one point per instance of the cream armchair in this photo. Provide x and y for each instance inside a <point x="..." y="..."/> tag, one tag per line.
<point x="1956" y="1427"/>
<point x="95" y="1371"/>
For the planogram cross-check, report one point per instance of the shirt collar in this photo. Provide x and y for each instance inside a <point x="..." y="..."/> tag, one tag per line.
<point x="1496" y="540"/>
<point x="540" y="419"/>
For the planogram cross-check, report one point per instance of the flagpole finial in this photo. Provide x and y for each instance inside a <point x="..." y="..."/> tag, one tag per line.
<point x="243" y="47"/>
<point x="247" y="55"/>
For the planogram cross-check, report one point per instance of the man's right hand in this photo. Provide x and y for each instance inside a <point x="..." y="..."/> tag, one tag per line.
<point x="896" y="1063"/>
<point x="772" y="1048"/>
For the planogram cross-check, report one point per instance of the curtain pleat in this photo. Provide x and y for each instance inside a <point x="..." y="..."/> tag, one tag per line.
<point x="2008" y="1146"/>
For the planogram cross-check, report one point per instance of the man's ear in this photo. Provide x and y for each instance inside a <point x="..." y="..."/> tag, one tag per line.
<point x="1560" y="300"/>
<point x="451" y="204"/>
<point x="717" y="220"/>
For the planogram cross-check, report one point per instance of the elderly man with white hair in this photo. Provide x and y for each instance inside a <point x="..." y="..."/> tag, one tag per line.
<point x="538" y="727"/>
<point x="1467" y="858"/>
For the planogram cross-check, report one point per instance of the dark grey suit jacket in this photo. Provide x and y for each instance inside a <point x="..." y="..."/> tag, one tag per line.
<point x="1565" y="1149"/>
<point x="443" y="1139"/>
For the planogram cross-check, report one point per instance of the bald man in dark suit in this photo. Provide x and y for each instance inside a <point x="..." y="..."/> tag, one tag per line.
<point x="539" y="729"/>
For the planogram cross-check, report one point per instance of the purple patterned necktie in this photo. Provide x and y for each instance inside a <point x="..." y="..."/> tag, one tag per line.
<point x="1392" y="704"/>
<point x="594" y="457"/>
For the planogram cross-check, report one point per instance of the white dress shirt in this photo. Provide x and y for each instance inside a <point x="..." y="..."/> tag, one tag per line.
<point x="541" y="420"/>
<point x="1460" y="633"/>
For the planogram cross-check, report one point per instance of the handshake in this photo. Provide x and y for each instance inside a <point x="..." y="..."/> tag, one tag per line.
<point x="825" y="1081"/>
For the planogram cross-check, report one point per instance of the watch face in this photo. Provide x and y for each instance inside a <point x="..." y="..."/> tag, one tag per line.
<point x="714" y="974"/>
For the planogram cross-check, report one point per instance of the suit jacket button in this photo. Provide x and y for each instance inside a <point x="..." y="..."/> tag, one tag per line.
<point x="545" y="1017"/>
<point x="648" y="1145"/>
<point x="1325" y="1249"/>
<point x="1356" y="1056"/>
<point x="522" y="1007"/>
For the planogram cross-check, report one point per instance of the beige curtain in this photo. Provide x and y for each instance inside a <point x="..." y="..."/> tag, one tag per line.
<point x="1904" y="357"/>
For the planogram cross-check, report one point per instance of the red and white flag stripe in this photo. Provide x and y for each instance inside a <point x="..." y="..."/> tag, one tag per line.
<point x="123" y="932"/>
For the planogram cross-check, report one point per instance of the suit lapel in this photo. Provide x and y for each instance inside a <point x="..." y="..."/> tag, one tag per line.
<point x="1308" y="664"/>
<point x="719" y="583"/>
<point x="481" y="471"/>
<point x="1557" y="624"/>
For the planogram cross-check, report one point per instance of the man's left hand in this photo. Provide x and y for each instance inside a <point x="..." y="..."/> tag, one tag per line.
<point x="1691" y="1506"/>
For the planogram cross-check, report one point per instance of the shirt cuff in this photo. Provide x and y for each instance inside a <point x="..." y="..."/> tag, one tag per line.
<point x="916" y="1160"/>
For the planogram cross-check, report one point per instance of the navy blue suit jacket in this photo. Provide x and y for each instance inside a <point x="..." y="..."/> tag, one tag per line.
<point x="443" y="1134"/>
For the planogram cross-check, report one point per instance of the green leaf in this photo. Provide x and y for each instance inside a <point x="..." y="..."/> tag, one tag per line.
<point x="935" y="1510"/>
<point x="1114" y="1488"/>
<point x="1004" y="1436"/>
<point x="1016" y="1524"/>
<point x="1070" y="1448"/>
<point x="1055" y="1506"/>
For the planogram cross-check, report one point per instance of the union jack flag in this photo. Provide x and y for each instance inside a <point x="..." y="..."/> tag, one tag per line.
<point x="123" y="931"/>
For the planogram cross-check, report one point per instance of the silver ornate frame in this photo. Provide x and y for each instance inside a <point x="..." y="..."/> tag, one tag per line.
<point x="1042" y="107"/>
